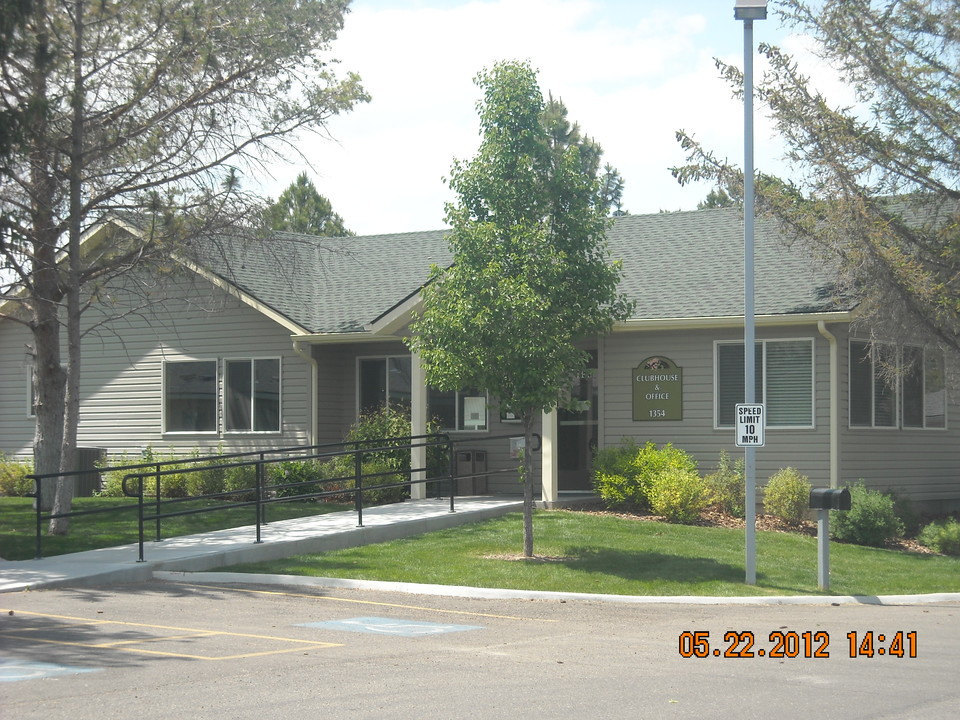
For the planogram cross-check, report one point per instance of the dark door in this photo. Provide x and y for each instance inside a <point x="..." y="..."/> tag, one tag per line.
<point x="577" y="432"/>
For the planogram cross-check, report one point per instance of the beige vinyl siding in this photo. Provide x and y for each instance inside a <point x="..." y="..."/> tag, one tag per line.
<point x="337" y="404"/>
<point x="16" y="425"/>
<point x="122" y="368"/>
<point x="921" y="463"/>
<point x="807" y="449"/>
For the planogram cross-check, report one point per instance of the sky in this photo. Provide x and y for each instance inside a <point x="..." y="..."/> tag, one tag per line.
<point x="631" y="73"/>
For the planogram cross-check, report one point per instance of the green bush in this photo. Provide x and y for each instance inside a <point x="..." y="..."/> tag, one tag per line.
<point x="727" y="486"/>
<point x="623" y="475"/>
<point x="615" y="476"/>
<point x="202" y="478"/>
<point x="942" y="536"/>
<point x="679" y="494"/>
<point x="787" y="496"/>
<point x="303" y="475"/>
<point x="241" y="480"/>
<point x="13" y="477"/>
<point x="871" y="519"/>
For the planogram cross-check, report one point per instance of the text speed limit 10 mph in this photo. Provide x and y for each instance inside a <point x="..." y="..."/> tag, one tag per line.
<point x="750" y="423"/>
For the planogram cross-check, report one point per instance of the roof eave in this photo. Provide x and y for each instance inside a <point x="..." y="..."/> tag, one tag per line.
<point x="732" y="321"/>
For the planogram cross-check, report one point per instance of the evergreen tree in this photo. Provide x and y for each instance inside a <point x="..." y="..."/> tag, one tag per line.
<point x="876" y="186"/>
<point x="301" y="209"/>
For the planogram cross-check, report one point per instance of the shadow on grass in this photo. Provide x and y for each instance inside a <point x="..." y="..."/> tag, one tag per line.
<point x="651" y="566"/>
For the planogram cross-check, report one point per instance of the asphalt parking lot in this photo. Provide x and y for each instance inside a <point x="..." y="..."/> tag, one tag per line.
<point x="174" y="650"/>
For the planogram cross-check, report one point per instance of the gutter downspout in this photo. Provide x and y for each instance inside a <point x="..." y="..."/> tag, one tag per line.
<point x="834" y="405"/>
<point x="307" y="354"/>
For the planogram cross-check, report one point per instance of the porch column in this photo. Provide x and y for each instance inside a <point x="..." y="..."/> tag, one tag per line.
<point x="418" y="426"/>
<point x="548" y="459"/>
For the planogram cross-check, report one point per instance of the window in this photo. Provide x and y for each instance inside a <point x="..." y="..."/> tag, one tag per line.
<point x="190" y="396"/>
<point x="458" y="410"/>
<point x="891" y="388"/>
<point x="251" y="395"/>
<point x="383" y="381"/>
<point x="784" y="381"/>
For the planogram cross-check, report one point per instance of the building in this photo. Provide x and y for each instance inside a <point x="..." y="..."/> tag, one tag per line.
<point x="286" y="342"/>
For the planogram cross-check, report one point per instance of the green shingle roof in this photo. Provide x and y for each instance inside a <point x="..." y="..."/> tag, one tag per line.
<point x="675" y="266"/>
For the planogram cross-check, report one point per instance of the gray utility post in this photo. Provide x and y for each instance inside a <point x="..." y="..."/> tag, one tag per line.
<point x="748" y="11"/>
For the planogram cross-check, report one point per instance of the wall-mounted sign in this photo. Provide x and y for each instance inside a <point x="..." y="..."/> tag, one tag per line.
<point x="657" y="390"/>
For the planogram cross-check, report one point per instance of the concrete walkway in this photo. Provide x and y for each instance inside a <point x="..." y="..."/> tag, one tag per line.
<point x="193" y="553"/>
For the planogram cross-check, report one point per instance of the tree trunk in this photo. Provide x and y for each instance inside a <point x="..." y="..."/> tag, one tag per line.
<point x="71" y="416"/>
<point x="528" y="483"/>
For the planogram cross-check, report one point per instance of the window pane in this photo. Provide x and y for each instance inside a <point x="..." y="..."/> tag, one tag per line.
<point x="912" y="385"/>
<point x="884" y="389"/>
<point x="398" y="382"/>
<point x="266" y="398"/>
<point x="789" y="390"/>
<point x="935" y="390"/>
<point x="473" y="412"/>
<point x="861" y="385"/>
<point x="373" y="385"/>
<point x="442" y="407"/>
<point x="730" y="380"/>
<point x="190" y="404"/>
<point x="237" y="395"/>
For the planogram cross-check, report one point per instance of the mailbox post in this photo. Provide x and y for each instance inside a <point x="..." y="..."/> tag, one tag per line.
<point x="823" y="500"/>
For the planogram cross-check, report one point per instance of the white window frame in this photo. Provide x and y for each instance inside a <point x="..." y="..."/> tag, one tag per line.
<point x="224" y="379"/>
<point x="31" y="393"/>
<point x="458" y="419"/>
<point x="163" y="397"/>
<point x="762" y="372"/>
<point x="898" y="386"/>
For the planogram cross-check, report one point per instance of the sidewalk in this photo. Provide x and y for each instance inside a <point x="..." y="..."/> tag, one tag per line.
<point x="194" y="553"/>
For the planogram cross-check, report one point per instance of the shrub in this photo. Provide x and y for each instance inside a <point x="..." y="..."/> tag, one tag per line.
<point x="615" y="476"/>
<point x="871" y="519"/>
<point x="304" y="475"/>
<point x="201" y="479"/>
<point x="727" y="486"/>
<point x="623" y="475"/>
<point x="942" y="536"/>
<point x="241" y="480"/>
<point x="787" y="496"/>
<point x="13" y="477"/>
<point x="679" y="494"/>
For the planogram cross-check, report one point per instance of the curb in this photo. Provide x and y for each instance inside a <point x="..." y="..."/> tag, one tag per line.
<point x="228" y="578"/>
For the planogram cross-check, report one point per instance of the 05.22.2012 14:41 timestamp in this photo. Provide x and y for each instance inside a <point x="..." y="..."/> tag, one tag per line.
<point x="803" y="644"/>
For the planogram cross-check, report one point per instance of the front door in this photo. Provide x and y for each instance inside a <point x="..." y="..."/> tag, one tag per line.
<point x="577" y="432"/>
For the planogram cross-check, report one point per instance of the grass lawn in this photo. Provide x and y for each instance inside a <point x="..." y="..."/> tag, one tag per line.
<point x="117" y="525"/>
<point x="581" y="552"/>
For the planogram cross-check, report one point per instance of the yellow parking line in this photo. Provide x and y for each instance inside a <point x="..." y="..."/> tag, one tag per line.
<point x="369" y="602"/>
<point x="27" y="634"/>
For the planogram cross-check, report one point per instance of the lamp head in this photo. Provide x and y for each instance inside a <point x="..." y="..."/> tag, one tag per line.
<point x="750" y="10"/>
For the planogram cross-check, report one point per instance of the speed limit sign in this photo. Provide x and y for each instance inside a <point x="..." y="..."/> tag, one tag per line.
<point x="750" y="424"/>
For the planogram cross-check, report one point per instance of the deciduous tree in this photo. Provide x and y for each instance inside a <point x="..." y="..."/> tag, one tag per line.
<point x="531" y="275"/>
<point x="144" y="108"/>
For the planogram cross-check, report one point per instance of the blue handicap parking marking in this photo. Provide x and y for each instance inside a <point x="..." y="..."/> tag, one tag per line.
<point x="12" y="670"/>
<point x="391" y="626"/>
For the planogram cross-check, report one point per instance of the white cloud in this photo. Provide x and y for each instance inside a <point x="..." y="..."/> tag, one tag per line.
<point x="630" y="79"/>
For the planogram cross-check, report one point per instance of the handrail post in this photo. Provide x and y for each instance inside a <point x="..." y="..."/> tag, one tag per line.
<point x="157" y="501"/>
<point x="140" y="479"/>
<point x="36" y="503"/>
<point x="358" y="485"/>
<point x="453" y="473"/>
<point x="259" y="495"/>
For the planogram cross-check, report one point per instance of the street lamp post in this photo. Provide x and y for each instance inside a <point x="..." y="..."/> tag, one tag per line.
<point x="748" y="11"/>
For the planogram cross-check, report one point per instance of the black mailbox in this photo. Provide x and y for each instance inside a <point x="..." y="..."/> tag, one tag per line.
<point x="830" y="499"/>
